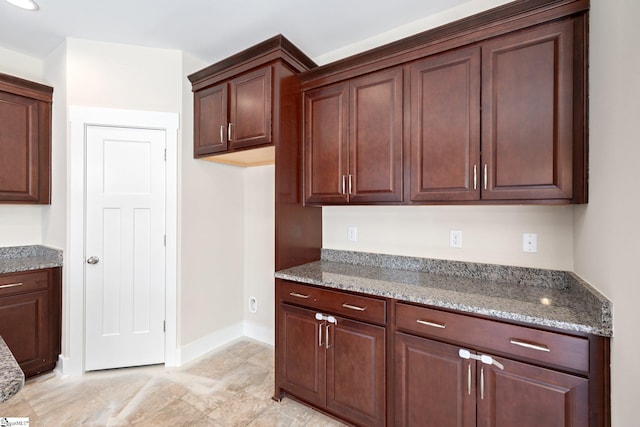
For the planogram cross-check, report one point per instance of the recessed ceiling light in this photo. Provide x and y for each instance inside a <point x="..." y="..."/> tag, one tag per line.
<point x="24" y="4"/>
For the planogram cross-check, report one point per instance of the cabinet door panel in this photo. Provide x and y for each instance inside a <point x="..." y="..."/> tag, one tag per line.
<point x="325" y="144"/>
<point x="445" y="127"/>
<point x="210" y="133"/>
<point x="527" y="98"/>
<point x="303" y="354"/>
<point x="433" y="385"/>
<point x="24" y="325"/>
<point x="529" y="396"/>
<point x="19" y="148"/>
<point x="356" y="371"/>
<point x="250" y="115"/>
<point x="375" y="138"/>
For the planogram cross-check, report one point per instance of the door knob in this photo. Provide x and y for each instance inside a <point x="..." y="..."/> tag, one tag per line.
<point x="93" y="260"/>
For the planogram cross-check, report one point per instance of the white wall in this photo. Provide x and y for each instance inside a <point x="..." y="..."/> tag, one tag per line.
<point x="54" y="216"/>
<point x="111" y="75"/>
<point x="21" y="224"/>
<point x="606" y="230"/>
<point x="490" y="234"/>
<point x="259" y="251"/>
<point x="211" y="276"/>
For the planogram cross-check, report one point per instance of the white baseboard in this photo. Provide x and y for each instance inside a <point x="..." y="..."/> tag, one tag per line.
<point x="211" y="342"/>
<point x="259" y="333"/>
<point x="66" y="367"/>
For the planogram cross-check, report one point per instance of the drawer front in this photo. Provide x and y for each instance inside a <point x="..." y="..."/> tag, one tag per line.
<point x="532" y="344"/>
<point x="18" y="283"/>
<point x="358" y="307"/>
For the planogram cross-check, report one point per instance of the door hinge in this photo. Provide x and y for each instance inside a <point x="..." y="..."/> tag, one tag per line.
<point x="164" y="326"/>
<point x="165" y="154"/>
<point x="165" y="240"/>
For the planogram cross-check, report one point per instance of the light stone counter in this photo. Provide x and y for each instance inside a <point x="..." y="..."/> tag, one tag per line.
<point x="11" y="376"/>
<point x="558" y="299"/>
<point x="24" y="258"/>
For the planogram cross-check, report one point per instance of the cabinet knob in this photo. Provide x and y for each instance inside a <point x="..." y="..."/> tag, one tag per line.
<point x="93" y="260"/>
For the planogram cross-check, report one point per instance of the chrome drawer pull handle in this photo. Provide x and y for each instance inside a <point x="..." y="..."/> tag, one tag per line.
<point x="297" y="295"/>
<point x="530" y="346"/>
<point x="222" y="134"/>
<point x="354" y="307"/>
<point x="11" y="285"/>
<point x="435" y="325"/>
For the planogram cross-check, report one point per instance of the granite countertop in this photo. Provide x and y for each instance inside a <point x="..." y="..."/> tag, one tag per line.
<point x="23" y="258"/>
<point x="11" y="376"/>
<point x="558" y="299"/>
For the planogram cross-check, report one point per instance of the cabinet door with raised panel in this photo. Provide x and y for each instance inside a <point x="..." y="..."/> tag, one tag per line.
<point x="24" y="320"/>
<point x="375" y="138"/>
<point x="356" y="371"/>
<point x="445" y="127"/>
<point x="325" y="144"/>
<point x="210" y="110"/>
<point x="527" y="114"/>
<point x="434" y="386"/>
<point x="529" y="396"/>
<point x="302" y="354"/>
<point x="24" y="149"/>
<point x="250" y="109"/>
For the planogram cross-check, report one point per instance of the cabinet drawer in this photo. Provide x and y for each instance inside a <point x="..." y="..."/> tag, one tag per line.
<point x="358" y="307"/>
<point x="493" y="336"/>
<point x="11" y="284"/>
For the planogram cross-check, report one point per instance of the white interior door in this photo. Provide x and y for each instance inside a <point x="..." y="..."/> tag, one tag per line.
<point x="124" y="247"/>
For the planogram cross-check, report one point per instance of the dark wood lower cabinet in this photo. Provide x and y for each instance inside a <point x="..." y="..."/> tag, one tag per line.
<point x="525" y="395"/>
<point x="385" y="362"/>
<point x="302" y="358"/>
<point x="337" y="366"/>
<point x="356" y="371"/>
<point x="432" y="387"/>
<point x="30" y="318"/>
<point x="436" y="387"/>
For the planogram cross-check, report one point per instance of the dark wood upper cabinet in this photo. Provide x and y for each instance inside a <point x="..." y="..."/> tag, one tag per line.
<point x="250" y="115"/>
<point x="233" y="115"/>
<point x="326" y="147"/>
<point x="527" y="114"/>
<point x="239" y="101"/>
<point x="25" y="141"/>
<point x="494" y="111"/>
<point x="211" y="126"/>
<point x="354" y="140"/>
<point x="445" y="126"/>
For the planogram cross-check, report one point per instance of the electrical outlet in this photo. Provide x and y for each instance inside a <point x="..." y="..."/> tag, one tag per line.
<point x="455" y="238"/>
<point x="253" y="304"/>
<point x="529" y="242"/>
<point x="352" y="234"/>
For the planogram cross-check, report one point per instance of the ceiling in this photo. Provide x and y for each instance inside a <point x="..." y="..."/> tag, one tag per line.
<point x="208" y="29"/>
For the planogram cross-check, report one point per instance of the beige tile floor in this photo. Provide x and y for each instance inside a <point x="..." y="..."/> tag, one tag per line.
<point x="231" y="387"/>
